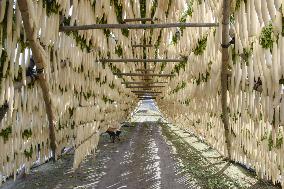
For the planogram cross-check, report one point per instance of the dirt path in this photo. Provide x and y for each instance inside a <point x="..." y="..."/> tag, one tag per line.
<point x="142" y="160"/>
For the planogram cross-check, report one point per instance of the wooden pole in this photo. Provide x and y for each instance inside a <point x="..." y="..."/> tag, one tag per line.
<point x="39" y="56"/>
<point x="224" y="71"/>
<point x="134" y="46"/>
<point x="135" y="26"/>
<point x="147" y="92"/>
<point x="147" y="98"/>
<point x="145" y="70"/>
<point x="142" y="83"/>
<point x="141" y="60"/>
<point x="145" y="86"/>
<point x="147" y="95"/>
<point x="142" y="74"/>
<point x="138" y="19"/>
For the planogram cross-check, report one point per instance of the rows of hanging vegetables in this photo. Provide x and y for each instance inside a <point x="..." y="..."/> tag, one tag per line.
<point x="255" y="82"/>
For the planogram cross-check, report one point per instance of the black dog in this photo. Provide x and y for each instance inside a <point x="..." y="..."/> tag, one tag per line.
<point x="113" y="135"/>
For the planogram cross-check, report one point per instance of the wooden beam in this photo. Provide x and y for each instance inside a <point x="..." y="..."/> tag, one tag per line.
<point x="141" y="82"/>
<point x="145" y="86"/>
<point x="145" y="95"/>
<point x="142" y="74"/>
<point x="224" y="75"/>
<point x="141" y="60"/>
<point x="138" y="19"/>
<point x="147" y="92"/>
<point x="39" y="56"/>
<point x="135" y="46"/>
<point x="135" y="26"/>
<point x="145" y="70"/>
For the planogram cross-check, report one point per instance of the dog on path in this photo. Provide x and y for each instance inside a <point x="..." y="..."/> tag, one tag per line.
<point x="113" y="134"/>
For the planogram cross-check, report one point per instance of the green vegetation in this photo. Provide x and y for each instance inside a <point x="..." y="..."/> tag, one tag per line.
<point x="107" y="100"/>
<point x="29" y="154"/>
<point x="179" y="66"/>
<point x="265" y="38"/>
<point x="119" y="51"/>
<point x="51" y="7"/>
<point x="118" y="12"/>
<point x="80" y="40"/>
<point x="143" y="9"/>
<point x="202" y="77"/>
<point x="179" y="87"/>
<point x="201" y="46"/>
<point x="27" y="134"/>
<point x="5" y="133"/>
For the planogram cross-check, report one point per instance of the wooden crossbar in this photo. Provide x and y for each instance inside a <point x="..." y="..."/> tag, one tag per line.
<point x="137" y="19"/>
<point x="145" y="86"/>
<point x="135" y="26"/>
<point x="147" y="98"/>
<point x="141" y="82"/>
<point x="142" y="74"/>
<point x="147" y="92"/>
<point x="141" y="60"/>
<point x="145" y="70"/>
<point x="134" y="46"/>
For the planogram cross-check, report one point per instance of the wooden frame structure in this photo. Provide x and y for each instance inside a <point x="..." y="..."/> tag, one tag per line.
<point x="135" y="26"/>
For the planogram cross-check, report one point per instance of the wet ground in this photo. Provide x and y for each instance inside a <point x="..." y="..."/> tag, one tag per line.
<point x="149" y="156"/>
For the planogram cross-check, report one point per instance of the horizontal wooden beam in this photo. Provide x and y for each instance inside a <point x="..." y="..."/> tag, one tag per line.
<point x="147" y="92"/>
<point x="147" y="95"/>
<point x="145" y="70"/>
<point x="138" y="19"/>
<point x="135" y="46"/>
<point x="143" y="74"/>
<point x="145" y="86"/>
<point x="143" y="95"/>
<point x="135" y="26"/>
<point x="141" y="60"/>
<point x="147" y="98"/>
<point x="143" y="82"/>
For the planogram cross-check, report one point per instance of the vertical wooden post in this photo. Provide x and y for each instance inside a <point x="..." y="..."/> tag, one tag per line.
<point x="224" y="71"/>
<point x="40" y="61"/>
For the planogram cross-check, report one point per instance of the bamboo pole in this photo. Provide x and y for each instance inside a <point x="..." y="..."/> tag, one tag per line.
<point x="147" y="98"/>
<point x="142" y="74"/>
<point x="141" y="60"/>
<point x="135" y="46"/>
<point x="145" y="86"/>
<point x="145" y="70"/>
<point x="151" y="82"/>
<point x="137" y="19"/>
<point x="224" y="75"/>
<point x="135" y="26"/>
<point x="40" y="61"/>
<point x="145" y="95"/>
<point x="147" y="92"/>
